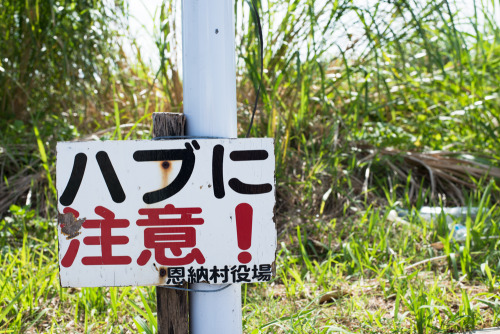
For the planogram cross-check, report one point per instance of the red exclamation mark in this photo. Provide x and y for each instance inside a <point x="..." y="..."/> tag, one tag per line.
<point x="244" y="214"/>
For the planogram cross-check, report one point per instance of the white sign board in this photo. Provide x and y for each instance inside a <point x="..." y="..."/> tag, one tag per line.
<point x="166" y="212"/>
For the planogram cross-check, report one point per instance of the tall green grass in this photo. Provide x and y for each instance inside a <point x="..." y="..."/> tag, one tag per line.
<point x="408" y="75"/>
<point x="351" y="92"/>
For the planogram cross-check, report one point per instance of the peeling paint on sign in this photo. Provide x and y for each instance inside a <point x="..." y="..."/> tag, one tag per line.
<point x="69" y="225"/>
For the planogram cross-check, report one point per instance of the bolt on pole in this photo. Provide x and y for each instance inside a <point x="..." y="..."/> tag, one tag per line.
<point x="209" y="84"/>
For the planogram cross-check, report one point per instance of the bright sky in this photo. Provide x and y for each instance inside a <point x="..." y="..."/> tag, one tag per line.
<point x="144" y="14"/>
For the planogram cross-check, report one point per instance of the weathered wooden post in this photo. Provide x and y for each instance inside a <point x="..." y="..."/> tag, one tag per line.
<point x="172" y="309"/>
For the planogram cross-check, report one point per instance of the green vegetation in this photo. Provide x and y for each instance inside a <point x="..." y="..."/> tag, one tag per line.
<point x="374" y="109"/>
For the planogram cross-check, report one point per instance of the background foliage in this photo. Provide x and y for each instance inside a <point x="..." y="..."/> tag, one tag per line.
<point x="376" y="108"/>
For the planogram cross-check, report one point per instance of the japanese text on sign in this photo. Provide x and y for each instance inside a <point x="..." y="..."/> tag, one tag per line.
<point x="165" y="212"/>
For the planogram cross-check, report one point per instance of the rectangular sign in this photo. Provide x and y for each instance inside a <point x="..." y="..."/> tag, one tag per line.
<point x="166" y="212"/>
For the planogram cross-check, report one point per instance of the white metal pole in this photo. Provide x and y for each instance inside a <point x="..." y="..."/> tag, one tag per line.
<point x="209" y="67"/>
<point x="209" y="79"/>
